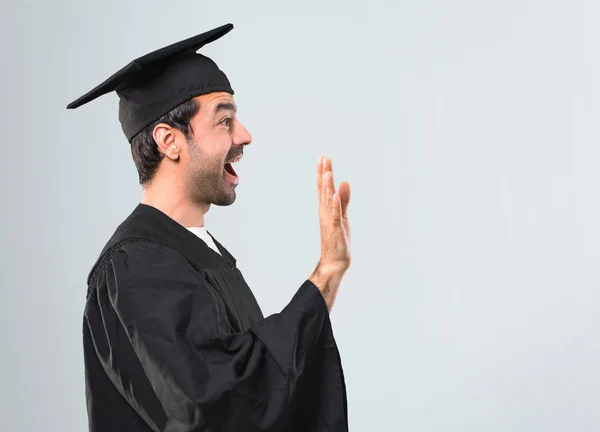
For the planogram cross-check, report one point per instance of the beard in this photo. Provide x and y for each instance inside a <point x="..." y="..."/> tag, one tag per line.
<point x="206" y="178"/>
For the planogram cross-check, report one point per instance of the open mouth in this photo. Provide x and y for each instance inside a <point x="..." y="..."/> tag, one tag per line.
<point x="229" y="169"/>
<point x="229" y="166"/>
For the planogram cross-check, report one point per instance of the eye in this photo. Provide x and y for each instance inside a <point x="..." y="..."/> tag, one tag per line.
<point x="226" y="122"/>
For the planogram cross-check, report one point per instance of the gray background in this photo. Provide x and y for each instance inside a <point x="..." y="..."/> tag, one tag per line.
<point x="468" y="131"/>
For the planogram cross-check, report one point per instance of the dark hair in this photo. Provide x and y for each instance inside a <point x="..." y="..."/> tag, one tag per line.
<point x="144" y="149"/>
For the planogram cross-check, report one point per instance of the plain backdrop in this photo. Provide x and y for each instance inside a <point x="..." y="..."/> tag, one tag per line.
<point x="468" y="130"/>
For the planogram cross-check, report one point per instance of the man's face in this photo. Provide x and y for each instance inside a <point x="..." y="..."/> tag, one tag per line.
<point x="218" y="137"/>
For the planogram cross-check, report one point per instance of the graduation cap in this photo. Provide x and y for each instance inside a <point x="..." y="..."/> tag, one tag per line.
<point x="154" y="84"/>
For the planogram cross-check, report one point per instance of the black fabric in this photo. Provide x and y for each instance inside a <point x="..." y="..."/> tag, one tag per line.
<point x="174" y="340"/>
<point x="152" y="85"/>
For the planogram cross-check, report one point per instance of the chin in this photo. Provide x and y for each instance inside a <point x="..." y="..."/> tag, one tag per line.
<point x="225" y="199"/>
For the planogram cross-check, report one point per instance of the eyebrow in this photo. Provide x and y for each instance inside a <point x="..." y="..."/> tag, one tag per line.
<point x="225" y="106"/>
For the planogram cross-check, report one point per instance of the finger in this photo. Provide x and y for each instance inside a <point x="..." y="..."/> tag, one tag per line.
<point x="323" y="180"/>
<point x="344" y="194"/>
<point x="327" y="194"/>
<point x="320" y="180"/>
<point x="320" y="174"/>
<point x="336" y="209"/>
<point x="330" y="183"/>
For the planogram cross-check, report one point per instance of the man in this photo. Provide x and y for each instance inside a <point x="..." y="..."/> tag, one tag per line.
<point x="174" y="339"/>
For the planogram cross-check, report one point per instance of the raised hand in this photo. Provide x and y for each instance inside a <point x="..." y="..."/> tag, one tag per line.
<point x="333" y="218"/>
<point x="335" y="232"/>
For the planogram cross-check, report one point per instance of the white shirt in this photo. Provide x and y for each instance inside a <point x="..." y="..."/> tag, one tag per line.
<point x="203" y="234"/>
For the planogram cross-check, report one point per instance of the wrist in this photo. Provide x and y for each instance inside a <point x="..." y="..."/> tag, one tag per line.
<point x="327" y="279"/>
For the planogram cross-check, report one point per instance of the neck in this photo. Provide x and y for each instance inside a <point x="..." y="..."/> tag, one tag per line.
<point x="172" y="199"/>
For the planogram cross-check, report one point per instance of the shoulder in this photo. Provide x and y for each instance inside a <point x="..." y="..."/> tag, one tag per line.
<point x="150" y="285"/>
<point x="153" y="275"/>
<point x="146" y="250"/>
<point x="140" y="262"/>
<point x="143" y="258"/>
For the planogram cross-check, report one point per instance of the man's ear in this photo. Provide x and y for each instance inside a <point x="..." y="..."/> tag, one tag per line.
<point x="164" y="136"/>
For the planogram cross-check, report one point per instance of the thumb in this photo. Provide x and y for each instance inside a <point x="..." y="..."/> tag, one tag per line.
<point x="344" y="195"/>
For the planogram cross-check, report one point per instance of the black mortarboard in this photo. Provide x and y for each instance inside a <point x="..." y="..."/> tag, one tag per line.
<point x="154" y="84"/>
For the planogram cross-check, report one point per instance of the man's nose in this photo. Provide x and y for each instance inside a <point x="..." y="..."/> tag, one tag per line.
<point x="242" y="135"/>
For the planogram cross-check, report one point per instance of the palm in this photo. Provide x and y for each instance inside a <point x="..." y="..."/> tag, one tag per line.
<point x="333" y="215"/>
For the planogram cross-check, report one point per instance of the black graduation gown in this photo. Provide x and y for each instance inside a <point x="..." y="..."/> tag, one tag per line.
<point x="175" y="341"/>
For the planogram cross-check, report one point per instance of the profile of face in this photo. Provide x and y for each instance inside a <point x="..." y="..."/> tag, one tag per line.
<point x="217" y="138"/>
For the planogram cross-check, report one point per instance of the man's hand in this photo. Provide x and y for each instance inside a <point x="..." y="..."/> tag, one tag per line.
<point x="335" y="232"/>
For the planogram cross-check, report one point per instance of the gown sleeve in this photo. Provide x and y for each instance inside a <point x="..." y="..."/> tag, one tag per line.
<point x="159" y="331"/>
